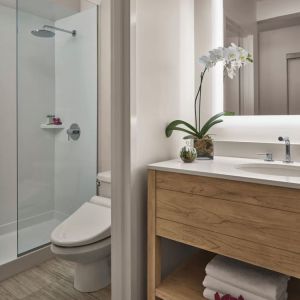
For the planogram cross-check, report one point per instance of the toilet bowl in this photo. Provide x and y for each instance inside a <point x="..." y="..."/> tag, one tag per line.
<point x="84" y="238"/>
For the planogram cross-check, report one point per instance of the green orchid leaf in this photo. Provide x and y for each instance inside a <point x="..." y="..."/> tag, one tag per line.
<point x="217" y="116"/>
<point x="212" y="121"/>
<point x="206" y="128"/>
<point x="229" y="113"/>
<point x="173" y="126"/>
<point x="183" y="130"/>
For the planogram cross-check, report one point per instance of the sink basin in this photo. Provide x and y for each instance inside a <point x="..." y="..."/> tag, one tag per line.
<point x="271" y="169"/>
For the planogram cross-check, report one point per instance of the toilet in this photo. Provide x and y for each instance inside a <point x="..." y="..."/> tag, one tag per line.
<point x="84" y="238"/>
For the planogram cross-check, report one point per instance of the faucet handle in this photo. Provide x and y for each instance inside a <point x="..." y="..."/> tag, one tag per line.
<point x="283" y="139"/>
<point x="268" y="156"/>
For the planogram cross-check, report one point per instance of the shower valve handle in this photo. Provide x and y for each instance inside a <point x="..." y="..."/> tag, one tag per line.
<point x="74" y="132"/>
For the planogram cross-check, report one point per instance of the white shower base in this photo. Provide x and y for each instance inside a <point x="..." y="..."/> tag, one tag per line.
<point x="29" y="238"/>
<point x="8" y="246"/>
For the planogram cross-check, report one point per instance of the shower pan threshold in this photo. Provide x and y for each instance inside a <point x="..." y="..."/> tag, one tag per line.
<point x="25" y="262"/>
<point x="30" y="237"/>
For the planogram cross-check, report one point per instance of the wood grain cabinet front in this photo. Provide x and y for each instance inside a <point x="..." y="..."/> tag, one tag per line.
<point x="255" y="223"/>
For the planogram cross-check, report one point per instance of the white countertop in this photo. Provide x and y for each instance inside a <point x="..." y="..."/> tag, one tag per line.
<point x="228" y="168"/>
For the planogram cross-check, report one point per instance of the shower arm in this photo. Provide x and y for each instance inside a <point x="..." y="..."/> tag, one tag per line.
<point x="73" y="32"/>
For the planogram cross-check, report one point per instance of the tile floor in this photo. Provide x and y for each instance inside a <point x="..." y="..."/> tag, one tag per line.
<point x="52" y="280"/>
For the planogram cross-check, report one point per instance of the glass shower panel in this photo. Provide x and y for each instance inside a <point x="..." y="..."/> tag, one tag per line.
<point x="57" y="76"/>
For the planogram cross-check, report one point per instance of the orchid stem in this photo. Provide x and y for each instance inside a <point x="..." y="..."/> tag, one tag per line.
<point x="199" y="94"/>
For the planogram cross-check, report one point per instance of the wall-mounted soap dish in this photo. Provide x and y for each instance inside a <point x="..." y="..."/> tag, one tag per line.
<point x="52" y="126"/>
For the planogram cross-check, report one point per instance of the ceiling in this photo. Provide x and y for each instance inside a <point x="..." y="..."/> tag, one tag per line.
<point x="49" y="9"/>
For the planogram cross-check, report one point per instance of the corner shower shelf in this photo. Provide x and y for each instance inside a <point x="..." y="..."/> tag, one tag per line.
<point x="46" y="126"/>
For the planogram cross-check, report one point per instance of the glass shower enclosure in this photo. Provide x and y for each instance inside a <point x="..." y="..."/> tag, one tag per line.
<point x="57" y="46"/>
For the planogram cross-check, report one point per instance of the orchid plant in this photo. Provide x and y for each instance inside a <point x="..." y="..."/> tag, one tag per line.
<point x="233" y="58"/>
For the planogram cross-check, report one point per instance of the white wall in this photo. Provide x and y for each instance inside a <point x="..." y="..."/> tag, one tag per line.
<point x="267" y="9"/>
<point x="209" y="14"/>
<point x="164" y="74"/>
<point x="8" y="147"/>
<point x="164" y="68"/>
<point x="35" y="100"/>
<point x="250" y="149"/>
<point x="76" y="102"/>
<point x="203" y="43"/>
<point x="104" y="107"/>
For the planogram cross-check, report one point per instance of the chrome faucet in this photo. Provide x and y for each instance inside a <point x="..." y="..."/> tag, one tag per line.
<point x="288" y="158"/>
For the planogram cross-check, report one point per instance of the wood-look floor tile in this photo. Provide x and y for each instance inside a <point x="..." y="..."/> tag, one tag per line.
<point x="104" y="294"/>
<point x="59" y="269"/>
<point x="25" y="283"/>
<point x="5" y="295"/>
<point x="52" y="280"/>
<point x="61" y="290"/>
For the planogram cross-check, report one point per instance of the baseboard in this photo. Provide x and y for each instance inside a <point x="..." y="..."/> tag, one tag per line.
<point x="25" y="262"/>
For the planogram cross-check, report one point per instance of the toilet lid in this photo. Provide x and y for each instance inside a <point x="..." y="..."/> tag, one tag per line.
<point x="89" y="224"/>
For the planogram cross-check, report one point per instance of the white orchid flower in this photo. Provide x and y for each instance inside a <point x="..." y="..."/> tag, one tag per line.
<point x="233" y="58"/>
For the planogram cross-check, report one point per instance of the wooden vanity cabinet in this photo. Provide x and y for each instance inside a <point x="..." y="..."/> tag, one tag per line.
<point x="255" y="223"/>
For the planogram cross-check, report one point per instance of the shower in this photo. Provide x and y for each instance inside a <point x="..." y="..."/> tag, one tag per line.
<point x="52" y="70"/>
<point x="46" y="33"/>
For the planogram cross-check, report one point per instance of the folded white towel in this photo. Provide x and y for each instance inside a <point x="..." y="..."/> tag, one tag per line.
<point x="225" y="288"/>
<point x="210" y="295"/>
<point x="258" y="281"/>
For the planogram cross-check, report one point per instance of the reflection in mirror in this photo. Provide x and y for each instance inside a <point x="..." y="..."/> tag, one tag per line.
<point x="270" y="29"/>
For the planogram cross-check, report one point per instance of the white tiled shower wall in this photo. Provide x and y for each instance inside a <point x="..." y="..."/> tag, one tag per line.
<point x="34" y="156"/>
<point x="8" y="149"/>
<point x="69" y="84"/>
<point x="76" y="102"/>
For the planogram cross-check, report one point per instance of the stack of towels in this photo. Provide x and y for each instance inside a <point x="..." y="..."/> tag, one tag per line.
<point x="228" y="276"/>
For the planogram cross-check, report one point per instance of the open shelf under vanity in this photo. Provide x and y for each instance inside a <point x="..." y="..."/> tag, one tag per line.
<point x="185" y="282"/>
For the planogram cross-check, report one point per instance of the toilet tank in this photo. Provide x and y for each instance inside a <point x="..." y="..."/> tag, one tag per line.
<point x="104" y="179"/>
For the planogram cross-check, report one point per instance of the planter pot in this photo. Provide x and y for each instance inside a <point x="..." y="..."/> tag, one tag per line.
<point x="204" y="147"/>
<point x="188" y="154"/>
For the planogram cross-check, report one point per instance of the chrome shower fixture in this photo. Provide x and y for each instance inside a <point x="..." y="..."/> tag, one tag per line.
<point x="48" y="31"/>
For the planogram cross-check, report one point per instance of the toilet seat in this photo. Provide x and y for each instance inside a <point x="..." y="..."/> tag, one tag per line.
<point x="84" y="254"/>
<point x="91" y="223"/>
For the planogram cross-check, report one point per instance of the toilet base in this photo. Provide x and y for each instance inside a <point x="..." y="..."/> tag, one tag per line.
<point x="91" y="277"/>
<point x="92" y="270"/>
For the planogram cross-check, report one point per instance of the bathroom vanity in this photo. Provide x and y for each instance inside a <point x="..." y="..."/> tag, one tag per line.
<point x="242" y="208"/>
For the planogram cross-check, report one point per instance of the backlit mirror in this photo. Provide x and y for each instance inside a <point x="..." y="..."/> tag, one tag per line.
<point x="270" y="29"/>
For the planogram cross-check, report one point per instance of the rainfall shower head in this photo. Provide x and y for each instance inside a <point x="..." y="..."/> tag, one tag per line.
<point x="46" y="33"/>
